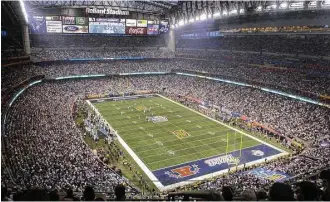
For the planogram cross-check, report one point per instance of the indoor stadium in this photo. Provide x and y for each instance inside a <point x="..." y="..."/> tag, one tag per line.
<point x="165" y="100"/>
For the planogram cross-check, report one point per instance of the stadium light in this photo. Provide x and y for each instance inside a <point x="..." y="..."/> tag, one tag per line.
<point x="203" y="17"/>
<point x="233" y="12"/>
<point x="284" y="5"/>
<point x="259" y="8"/>
<point x="216" y="14"/>
<point x="21" y="3"/>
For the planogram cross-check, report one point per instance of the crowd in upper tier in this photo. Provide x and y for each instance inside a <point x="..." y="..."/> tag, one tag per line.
<point x="306" y="44"/>
<point x="296" y="80"/>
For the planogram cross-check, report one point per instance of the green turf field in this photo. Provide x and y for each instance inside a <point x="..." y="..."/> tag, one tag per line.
<point x="186" y="136"/>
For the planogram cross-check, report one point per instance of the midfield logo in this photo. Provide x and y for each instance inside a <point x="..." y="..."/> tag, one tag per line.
<point x="181" y="134"/>
<point x="184" y="171"/>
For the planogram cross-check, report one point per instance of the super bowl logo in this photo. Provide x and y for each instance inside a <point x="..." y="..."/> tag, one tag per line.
<point x="257" y="153"/>
<point x="140" y="108"/>
<point x="184" y="171"/>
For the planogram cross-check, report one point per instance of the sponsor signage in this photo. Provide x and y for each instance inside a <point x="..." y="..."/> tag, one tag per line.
<point x="153" y="29"/>
<point x="75" y="29"/>
<point x="54" y="26"/>
<point x="152" y="22"/>
<point x="69" y="20"/>
<point x="81" y="21"/>
<point x="296" y="5"/>
<point x="142" y="23"/>
<point x="53" y="18"/>
<point x="164" y="26"/>
<point x="136" y="31"/>
<point x="106" y="11"/>
<point x="107" y="20"/>
<point x="107" y="27"/>
<point x="38" y="24"/>
<point x="130" y="22"/>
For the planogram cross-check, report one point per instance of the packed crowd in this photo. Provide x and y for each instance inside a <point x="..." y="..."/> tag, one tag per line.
<point x="307" y="45"/>
<point x="47" y="151"/>
<point x="95" y="41"/>
<point x="51" y="55"/>
<point x="303" y="79"/>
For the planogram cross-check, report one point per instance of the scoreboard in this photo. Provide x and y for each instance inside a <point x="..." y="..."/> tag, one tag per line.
<point x="91" y="25"/>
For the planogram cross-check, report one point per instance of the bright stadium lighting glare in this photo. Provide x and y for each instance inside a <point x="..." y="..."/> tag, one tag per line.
<point x="23" y="10"/>
<point x="233" y="12"/>
<point x="242" y="11"/>
<point x="216" y="14"/>
<point x="203" y="17"/>
<point x="284" y="5"/>
<point x="259" y="8"/>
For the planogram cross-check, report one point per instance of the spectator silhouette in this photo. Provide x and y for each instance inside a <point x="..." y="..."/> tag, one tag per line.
<point x="227" y="193"/>
<point x="307" y="191"/>
<point x="248" y="195"/>
<point x="280" y="192"/>
<point x="120" y="192"/>
<point x="53" y="196"/>
<point x="89" y="194"/>
<point x="69" y="196"/>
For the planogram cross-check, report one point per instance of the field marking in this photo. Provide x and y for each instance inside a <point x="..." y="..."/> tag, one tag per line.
<point x="212" y="137"/>
<point x="146" y="170"/>
<point x="279" y="149"/>
<point x="190" y="154"/>
<point x="218" y="173"/>
<point x="206" y="157"/>
<point x="160" y="186"/>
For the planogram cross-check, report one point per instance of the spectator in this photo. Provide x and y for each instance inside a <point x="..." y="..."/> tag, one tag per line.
<point x="280" y="192"/>
<point x="120" y="192"/>
<point x="89" y="194"/>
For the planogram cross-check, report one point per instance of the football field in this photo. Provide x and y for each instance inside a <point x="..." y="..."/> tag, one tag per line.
<point x="173" y="143"/>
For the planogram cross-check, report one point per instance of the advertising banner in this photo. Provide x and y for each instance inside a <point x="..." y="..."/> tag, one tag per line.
<point x="164" y="26"/>
<point x="68" y="20"/>
<point x="136" y="31"/>
<point x="38" y="24"/>
<point x="75" y="29"/>
<point x="54" y="26"/>
<point x="107" y="27"/>
<point x="81" y="21"/>
<point x="142" y="23"/>
<point x="130" y="22"/>
<point x="107" y="20"/>
<point x="153" y="29"/>
<point x="53" y="18"/>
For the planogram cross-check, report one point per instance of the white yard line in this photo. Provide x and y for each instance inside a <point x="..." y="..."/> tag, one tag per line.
<point x="153" y="178"/>
<point x="226" y="125"/>
<point x="146" y="170"/>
